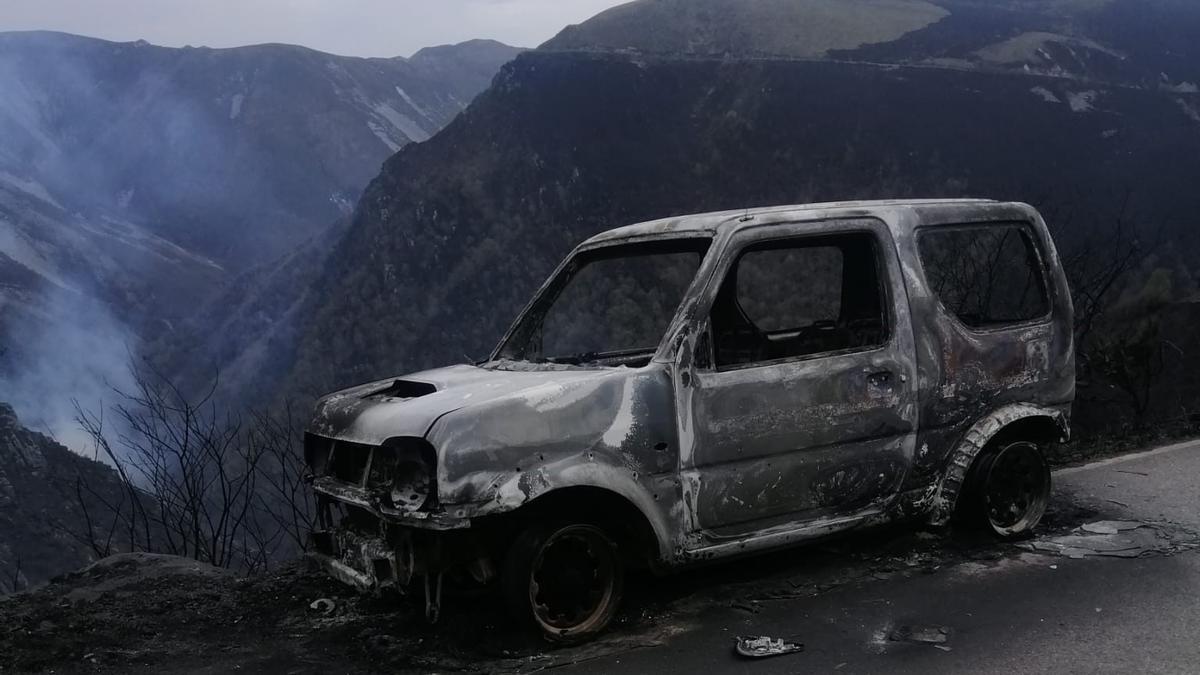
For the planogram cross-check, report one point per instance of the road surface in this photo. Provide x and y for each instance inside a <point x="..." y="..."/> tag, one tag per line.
<point x="1067" y="602"/>
<point x="1110" y="585"/>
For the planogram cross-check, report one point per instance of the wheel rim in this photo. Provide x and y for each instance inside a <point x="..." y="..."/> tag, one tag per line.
<point x="1017" y="488"/>
<point x="573" y="583"/>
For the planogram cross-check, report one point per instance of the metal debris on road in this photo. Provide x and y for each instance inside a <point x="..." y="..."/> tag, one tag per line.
<point x="1110" y="526"/>
<point x="1105" y="538"/>
<point x="323" y="605"/>
<point x="757" y="647"/>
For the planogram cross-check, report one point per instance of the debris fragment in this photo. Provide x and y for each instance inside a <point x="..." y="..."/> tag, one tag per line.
<point x="757" y="647"/>
<point x="323" y="605"/>
<point x="928" y="635"/>
<point x="751" y="607"/>
<point x="1111" y="526"/>
<point x="1106" y="538"/>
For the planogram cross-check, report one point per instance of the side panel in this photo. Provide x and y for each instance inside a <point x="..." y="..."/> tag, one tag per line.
<point x="784" y="445"/>
<point x="964" y="374"/>
<point x="614" y="431"/>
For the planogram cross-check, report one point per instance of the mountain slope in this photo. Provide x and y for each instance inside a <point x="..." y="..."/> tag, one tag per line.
<point x="137" y="182"/>
<point x="41" y="514"/>
<point x="747" y="28"/>
<point x="577" y="138"/>
<point x="1148" y="43"/>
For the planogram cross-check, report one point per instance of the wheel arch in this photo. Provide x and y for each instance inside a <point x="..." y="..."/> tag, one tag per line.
<point x="635" y="530"/>
<point x="1022" y="420"/>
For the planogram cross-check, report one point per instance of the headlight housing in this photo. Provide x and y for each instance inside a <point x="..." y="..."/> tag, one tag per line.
<point x="404" y="471"/>
<point x="411" y="486"/>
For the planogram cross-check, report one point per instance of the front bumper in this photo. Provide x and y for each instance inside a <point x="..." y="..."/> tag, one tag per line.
<point x="373" y="546"/>
<point x="365" y="500"/>
<point x="368" y="563"/>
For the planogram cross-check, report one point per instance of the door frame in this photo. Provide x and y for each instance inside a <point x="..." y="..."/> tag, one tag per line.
<point x="697" y="333"/>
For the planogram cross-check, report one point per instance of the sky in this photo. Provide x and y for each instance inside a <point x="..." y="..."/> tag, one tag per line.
<point x="349" y="27"/>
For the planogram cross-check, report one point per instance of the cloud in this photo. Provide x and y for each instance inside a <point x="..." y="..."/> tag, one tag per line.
<point x="352" y="27"/>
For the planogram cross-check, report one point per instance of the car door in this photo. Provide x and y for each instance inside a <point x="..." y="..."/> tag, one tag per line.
<point x="800" y="401"/>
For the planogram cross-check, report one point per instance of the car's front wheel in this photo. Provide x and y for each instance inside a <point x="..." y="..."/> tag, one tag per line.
<point x="565" y="579"/>
<point x="1009" y="489"/>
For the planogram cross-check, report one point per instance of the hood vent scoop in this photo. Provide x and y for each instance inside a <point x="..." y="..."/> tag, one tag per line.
<point x="405" y="389"/>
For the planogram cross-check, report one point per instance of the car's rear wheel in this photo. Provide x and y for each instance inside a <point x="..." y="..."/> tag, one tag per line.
<point x="565" y="580"/>
<point x="1009" y="489"/>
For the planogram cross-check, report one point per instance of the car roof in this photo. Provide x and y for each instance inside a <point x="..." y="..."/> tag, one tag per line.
<point x="712" y="223"/>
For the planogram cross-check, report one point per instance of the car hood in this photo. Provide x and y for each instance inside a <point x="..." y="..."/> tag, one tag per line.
<point x="409" y="406"/>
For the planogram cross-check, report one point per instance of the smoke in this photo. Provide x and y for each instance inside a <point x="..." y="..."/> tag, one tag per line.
<point x="74" y="162"/>
<point x="73" y="350"/>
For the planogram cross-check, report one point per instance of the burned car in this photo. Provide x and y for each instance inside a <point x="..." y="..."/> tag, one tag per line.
<point x="710" y="386"/>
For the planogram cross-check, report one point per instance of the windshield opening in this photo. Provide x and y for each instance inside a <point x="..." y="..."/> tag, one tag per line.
<point x="608" y="306"/>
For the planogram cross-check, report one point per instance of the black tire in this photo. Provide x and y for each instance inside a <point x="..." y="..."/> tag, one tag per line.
<point x="1007" y="490"/>
<point x="564" y="580"/>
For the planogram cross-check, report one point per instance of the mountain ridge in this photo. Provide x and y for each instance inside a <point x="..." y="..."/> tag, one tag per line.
<point x="1046" y="37"/>
<point x="469" y="44"/>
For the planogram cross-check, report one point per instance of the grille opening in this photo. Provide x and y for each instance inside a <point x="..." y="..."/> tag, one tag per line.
<point x="349" y="462"/>
<point x="383" y="468"/>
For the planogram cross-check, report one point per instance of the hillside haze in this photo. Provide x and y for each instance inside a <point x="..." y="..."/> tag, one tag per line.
<point x="662" y="107"/>
<point x="137" y="182"/>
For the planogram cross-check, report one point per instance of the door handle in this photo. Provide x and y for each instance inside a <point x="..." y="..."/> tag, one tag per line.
<point x="881" y="378"/>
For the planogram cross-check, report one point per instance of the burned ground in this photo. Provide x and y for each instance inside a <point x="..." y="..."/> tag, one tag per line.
<point x="142" y="613"/>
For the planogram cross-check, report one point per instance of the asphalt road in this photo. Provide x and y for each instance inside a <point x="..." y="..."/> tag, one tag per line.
<point x="1109" y="585"/>
<point x="1071" y="601"/>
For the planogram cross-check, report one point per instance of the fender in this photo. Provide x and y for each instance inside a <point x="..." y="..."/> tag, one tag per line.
<point x="942" y="497"/>
<point x="517" y="490"/>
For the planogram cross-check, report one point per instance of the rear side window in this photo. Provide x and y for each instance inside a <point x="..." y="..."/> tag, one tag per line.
<point x="987" y="276"/>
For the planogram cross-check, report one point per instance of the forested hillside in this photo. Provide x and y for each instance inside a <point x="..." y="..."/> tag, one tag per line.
<point x="1062" y="106"/>
<point x="45" y="491"/>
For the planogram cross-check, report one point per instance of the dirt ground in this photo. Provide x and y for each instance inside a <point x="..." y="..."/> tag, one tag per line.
<point x="147" y="613"/>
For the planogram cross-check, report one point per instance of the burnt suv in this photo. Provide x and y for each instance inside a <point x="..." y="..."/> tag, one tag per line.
<point x="710" y="386"/>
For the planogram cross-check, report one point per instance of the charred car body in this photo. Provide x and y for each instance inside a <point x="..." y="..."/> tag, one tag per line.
<point x="707" y="386"/>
